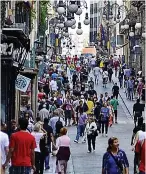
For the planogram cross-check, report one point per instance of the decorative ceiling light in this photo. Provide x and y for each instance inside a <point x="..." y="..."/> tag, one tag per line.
<point x="126" y="26"/>
<point x="87" y="20"/>
<point x="69" y="22"/>
<point x="138" y="25"/>
<point x="61" y="9"/>
<point x="122" y="27"/>
<point x="79" y="12"/>
<point x="73" y="27"/>
<point x="61" y="25"/>
<point x="131" y="34"/>
<point x="65" y="33"/>
<point x="73" y="7"/>
<point x="144" y="35"/>
<point x="79" y="30"/>
<point x="73" y="21"/>
<point x="111" y="15"/>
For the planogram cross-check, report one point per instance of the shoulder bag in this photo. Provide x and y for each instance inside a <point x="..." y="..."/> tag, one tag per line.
<point x="119" y="164"/>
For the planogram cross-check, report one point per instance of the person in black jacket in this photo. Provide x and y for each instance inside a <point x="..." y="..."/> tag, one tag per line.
<point x="110" y="73"/>
<point x="115" y="90"/>
<point x="137" y="111"/>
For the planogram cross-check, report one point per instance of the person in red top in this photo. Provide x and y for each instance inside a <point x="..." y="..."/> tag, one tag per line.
<point x="21" y="150"/>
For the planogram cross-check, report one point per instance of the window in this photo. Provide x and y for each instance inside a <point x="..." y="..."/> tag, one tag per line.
<point x="91" y="9"/>
<point x="95" y="22"/>
<point x="91" y="22"/>
<point x="91" y="36"/>
<point x="95" y="8"/>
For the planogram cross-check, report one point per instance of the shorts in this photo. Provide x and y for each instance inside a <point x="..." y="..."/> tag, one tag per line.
<point x="68" y="114"/>
<point x="19" y="170"/>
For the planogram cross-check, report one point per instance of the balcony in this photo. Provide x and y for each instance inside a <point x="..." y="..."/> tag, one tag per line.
<point x="21" y="26"/>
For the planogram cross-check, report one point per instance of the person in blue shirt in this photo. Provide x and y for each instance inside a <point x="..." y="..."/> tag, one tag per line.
<point x="104" y="119"/>
<point x="54" y="75"/>
<point x="114" y="160"/>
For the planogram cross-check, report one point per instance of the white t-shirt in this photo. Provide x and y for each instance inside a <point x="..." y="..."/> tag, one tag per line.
<point x="141" y="135"/>
<point x="96" y="70"/>
<point x="4" y="142"/>
<point x="53" y="85"/>
<point x="93" y="61"/>
<point x="37" y="136"/>
<point x="105" y="74"/>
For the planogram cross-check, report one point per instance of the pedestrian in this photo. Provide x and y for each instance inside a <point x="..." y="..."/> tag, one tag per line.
<point x="114" y="103"/>
<point x="38" y="134"/>
<point x="105" y="113"/>
<point x="4" y="144"/>
<point x="115" y="160"/>
<point x="63" y="154"/>
<point x="130" y="88"/>
<point x="44" y="113"/>
<point x="90" y="105"/>
<point x="53" y="85"/>
<point x="50" y="138"/>
<point x="137" y="111"/>
<point x="91" y="129"/>
<point x="96" y="74"/>
<point x="74" y="79"/>
<point x="115" y="90"/>
<point x="13" y="128"/>
<point x="120" y="77"/>
<point x="105" y="77"/>
<point x="139" y="88"/>
<point x="21" y="150"/>
<point x="110" y="73"/>
<point x="68" y="111"/>
<point x="81" y="125"/>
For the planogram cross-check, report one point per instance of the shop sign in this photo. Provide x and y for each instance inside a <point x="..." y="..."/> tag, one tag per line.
<point x="9" y="50"/>
<point x="22" y="83"/>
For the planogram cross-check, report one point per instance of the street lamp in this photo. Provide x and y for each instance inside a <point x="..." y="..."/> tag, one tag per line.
<point x="79" y="30"/>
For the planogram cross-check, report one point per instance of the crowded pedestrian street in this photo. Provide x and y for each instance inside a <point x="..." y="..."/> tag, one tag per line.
<point x="73" y="87"/>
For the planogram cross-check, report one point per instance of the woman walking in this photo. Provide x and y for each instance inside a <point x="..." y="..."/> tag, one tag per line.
<point x="105" y="113"/>
<point x="91" y="129"/>
<point x="114" y="160"/>
<point x="63" y="154"/>
<point x="38" y="134"/>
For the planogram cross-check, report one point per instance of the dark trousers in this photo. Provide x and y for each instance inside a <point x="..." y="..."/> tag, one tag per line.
<point x="91" y="139"/>
<point x="115" y="94"/>
<point x="110" y="77"/>
<point x="37" y="162"/>
<point x="116" y="114"/>
<point x="104" y="126"/>
<point x="136" y="156"/>
<point x="42" y="161"/>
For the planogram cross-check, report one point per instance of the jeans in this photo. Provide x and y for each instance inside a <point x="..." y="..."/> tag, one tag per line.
<point x="19" y="170"/>
<point x="142" y="172"/>
<point x="104" y="126"/>
<point x="121" y="82"/>
<point x="110" y="77"/>
<point x="130" y="93"/>
<point x="91" y="138"/>
<point x="136" y="155"/>
<point x="80" y="131"/>
<point x="47" y="159"/>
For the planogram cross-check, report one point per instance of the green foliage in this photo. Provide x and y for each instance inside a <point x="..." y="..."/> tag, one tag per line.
<point x="43" y="15"/>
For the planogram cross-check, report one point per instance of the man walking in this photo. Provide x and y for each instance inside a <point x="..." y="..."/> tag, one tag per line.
<point x="137" y="111"/>
<point x="114" y="103"/>
<point x="21" y="152"/>
<point x="115" y="90"/>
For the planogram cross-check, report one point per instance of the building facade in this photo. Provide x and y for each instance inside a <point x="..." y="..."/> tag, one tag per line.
<point x="95" y="18"/>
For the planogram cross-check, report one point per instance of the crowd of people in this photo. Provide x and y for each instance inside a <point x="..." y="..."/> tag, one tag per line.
<point x="71" y="100"/>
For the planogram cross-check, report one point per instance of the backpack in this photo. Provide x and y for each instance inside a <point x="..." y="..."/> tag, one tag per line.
<point x="58" y="126"/>
<point x="85" y="107"/>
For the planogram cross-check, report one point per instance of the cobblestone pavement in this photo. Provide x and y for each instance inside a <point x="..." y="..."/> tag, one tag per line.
<point x="83" y="163"/>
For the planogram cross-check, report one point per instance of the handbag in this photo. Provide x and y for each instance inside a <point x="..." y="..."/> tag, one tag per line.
<point x="119" y="164"/>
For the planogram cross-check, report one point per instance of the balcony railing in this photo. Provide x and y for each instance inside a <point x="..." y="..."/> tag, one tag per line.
<point x="21" y="26"/>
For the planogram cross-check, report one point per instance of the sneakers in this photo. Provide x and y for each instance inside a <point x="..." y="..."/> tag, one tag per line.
<point x="84" y="141"/>
<point x="94" y="150"/>
<point x="88" y="151"/>
<point x="106" y="135"/>
<point x="75" y="141"/>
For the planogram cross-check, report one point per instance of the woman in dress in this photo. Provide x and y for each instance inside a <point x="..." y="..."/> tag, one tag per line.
<point x="63" y="154"/>
<point x="114" y="160"/>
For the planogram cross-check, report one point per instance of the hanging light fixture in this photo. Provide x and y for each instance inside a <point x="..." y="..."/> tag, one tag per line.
<point x="131" y="34"/>
<point x="87" y="20"/>
<point x="79" y="30"/>
<point x="73" y="27"/>
<point x="61" y="9"/>
<point x="73" y="7"/>
<point x="79" y="12"/>
<point x="65" y="33"/>
<point x="69" y="22"/>
<point x="138" y="25"/>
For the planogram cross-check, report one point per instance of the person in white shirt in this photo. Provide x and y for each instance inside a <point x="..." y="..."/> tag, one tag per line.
<point x="91" y="129"/>
<point x="44" y="113"/>
<point x="93" y="62"/>
<point x="105" y="78"/>
<point x="4" y="143"/>
<point x="96" y="74"/>
<point x="53" y="85"/>
<point x="38" y="133"/>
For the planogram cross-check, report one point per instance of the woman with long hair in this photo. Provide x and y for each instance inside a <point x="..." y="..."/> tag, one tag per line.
<point x="63" y="154"/>
<point x="115" y="160"/>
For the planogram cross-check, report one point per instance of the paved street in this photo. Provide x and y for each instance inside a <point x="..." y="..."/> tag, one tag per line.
<point x="83" y="163"/>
